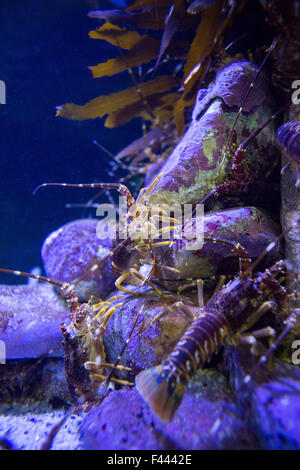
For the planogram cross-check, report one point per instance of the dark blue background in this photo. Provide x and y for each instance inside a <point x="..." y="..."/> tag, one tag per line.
<point x="45" y="51"/>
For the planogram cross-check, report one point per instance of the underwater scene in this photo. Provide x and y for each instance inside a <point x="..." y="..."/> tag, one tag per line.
<point x="150" y="239"/>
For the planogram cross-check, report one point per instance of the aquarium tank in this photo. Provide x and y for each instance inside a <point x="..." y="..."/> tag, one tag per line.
<point x="150" y="242"/>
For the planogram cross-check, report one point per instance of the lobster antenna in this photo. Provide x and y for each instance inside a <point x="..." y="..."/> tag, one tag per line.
<point x="235" y="41"/>
<point x="33" y="276"/>
<point x="90" y="202"/>
<point x="118" y="163"/>
<point x="123" y="190"/>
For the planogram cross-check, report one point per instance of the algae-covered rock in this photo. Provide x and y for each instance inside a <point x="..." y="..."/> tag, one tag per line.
<point x="203" y="158"/>
<point x="69" y="252"/>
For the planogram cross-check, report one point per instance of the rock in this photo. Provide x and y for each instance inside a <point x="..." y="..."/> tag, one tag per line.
<point x="68" y="253"/>
<point x="270" y="403"/>
<point x="30" y="319"/>
<point x="277" y="413"/>
<point x="53" y="387"/>
<point x="207" y="419"/>
<point x="231" y="83"/>
<point x="121" y="422"/>
<point x="249" y="226"/>
<point x="149" y="344"/>
<point x="198" y="163"/>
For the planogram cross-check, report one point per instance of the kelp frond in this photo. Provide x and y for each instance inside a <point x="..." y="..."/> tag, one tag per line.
<point x="124" y="105"/>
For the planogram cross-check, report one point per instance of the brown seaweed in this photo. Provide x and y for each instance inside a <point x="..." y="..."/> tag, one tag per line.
<point x="150" y="100"/>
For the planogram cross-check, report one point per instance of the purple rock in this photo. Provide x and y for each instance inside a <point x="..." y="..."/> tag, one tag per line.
<point x="230" y="84"/>
<point x="68" y="253"/>
<point x="270" y="402"/>
<point x="207" y="419"/>
<point x="249" y="226"/>
<point x="277" y="414"/>
<point x="121" y="422"/>
<point x="30" y="319"/>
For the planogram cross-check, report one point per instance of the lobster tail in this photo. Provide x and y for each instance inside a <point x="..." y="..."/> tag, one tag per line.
<point x="161" y="391"/>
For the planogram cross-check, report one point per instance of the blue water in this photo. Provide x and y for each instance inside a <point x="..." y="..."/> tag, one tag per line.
<point x="45" y="51"/>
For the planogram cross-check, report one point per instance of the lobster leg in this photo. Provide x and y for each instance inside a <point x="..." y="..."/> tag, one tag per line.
<point x="139" y="276"/>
